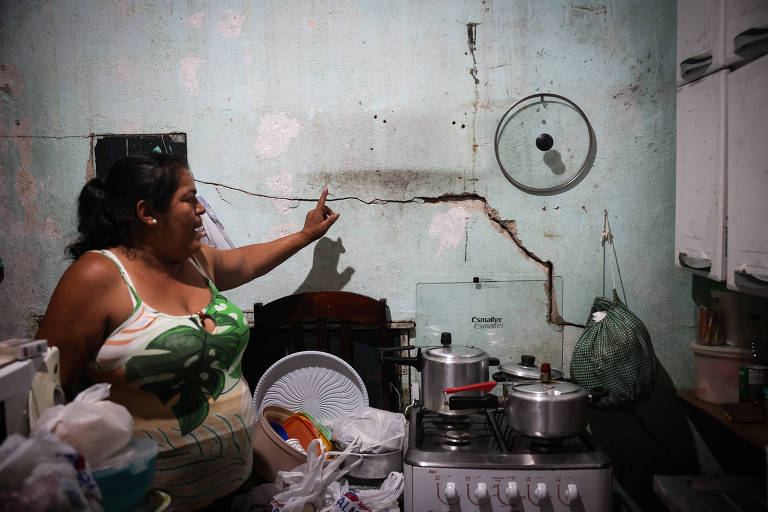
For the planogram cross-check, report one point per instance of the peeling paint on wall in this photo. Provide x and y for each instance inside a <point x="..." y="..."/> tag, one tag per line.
<point x="276" y="131"/>
<point x="194" y="20"/>
<point x="188" y="69"/>
<point x="231" y="25"/>
<point x="282" y="183"/>
<point x="449" y="228"/>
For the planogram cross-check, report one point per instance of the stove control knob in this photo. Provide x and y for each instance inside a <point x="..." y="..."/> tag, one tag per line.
<point x="511" y="492"/>
<point x="451" y="494"/>
<point x="481" y="493"/>
<point x="540" y="493"/>
<point x="571" y="494"/>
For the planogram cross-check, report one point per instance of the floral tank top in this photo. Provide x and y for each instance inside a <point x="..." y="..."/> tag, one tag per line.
<point x="184" y="387"/>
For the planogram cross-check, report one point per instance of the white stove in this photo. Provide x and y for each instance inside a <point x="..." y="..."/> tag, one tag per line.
<point x="477" y="463"/>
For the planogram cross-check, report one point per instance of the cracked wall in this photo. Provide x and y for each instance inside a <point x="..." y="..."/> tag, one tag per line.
<point x="392" y="105"/>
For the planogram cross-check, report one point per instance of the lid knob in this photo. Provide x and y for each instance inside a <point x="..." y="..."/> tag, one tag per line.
<point x="544" y="142"/>
<point x="445" y="339"/>
<point x="528" y="361"/>
<point x="546" y="372"/>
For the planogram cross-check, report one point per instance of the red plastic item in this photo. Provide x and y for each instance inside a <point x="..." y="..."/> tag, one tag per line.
<point x="480" y="386"/>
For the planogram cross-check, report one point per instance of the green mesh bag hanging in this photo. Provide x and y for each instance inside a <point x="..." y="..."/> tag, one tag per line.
<point x="614" y="352"/>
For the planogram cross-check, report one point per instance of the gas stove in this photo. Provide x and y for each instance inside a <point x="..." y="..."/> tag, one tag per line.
<point x="477" y="463"/>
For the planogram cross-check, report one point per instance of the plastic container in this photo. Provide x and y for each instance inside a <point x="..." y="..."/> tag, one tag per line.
<point x="125" y="478"/>
<point x="302" y="426"/>
<point x="270" y="453"/>
<point x="717" y="372"/>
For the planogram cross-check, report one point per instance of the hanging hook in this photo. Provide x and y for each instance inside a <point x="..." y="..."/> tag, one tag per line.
<point x="606" y="234"/>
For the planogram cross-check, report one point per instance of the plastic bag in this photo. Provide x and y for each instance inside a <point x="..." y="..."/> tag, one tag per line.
<point x="91" y="424"/>
<point x="43" y="473"/>
<point x="383" y="499"/>
<point x="309" y="483"/>
<point x="212" y="229"/>
<point x="375" y="430"/>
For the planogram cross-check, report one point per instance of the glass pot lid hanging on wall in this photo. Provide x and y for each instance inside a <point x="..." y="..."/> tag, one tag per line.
<point x="544" y="144"/>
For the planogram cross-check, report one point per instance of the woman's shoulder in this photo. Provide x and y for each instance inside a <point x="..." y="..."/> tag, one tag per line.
<point x="93" y="268"/>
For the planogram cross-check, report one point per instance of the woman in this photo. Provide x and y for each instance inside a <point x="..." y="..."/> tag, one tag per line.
<point x="140" y="309"/>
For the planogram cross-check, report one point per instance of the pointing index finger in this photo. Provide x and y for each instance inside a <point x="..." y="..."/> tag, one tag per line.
<point x="321" y="202"/>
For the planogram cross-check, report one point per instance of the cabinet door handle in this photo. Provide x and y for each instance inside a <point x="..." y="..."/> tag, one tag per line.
<point x="751" y="42"/>
<point x="744" y="278"/>
<point x="701" y="264"/>
<point x="695" y="67"/>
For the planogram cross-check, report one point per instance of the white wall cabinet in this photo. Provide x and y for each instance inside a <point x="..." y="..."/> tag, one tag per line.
<point x="746" y="29"/>
<point x="713" y="34"/>
<point x="721" y="211"/>
<point x="700" y="38"/>
<point x="701" y="176"/>
<point x="747" y="178"/>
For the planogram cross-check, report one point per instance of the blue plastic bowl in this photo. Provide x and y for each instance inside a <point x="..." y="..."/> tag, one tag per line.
<point x="279" y="429"/>
<point x="125" y="478"/>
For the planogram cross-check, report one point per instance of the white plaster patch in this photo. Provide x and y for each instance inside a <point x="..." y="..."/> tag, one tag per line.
<point x="276" y="132"/>
<point x="282" y="183"/>
<point x="449" y="228"/>
<point x="231" y="25"/>
<point x="188" y="69"/>
<point x="195" y="20"/>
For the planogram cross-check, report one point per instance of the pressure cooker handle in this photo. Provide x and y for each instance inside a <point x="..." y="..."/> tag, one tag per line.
<point x="396" y="349"/>
<point x="417" y="362"/>
<point x="596" y="394"/>
<point x="493" y="361"/>
<point x="480" y="386"/>
<point x="472" y="402"/>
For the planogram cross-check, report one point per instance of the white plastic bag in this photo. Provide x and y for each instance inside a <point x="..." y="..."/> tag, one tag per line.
<point x="383" y="499"/>
<point x="91" y="424"/>
<point x="311" y="483"/>
<point x="43" y="473"/>
<point x="212" y="229"/>
<point x="376" y="430"/>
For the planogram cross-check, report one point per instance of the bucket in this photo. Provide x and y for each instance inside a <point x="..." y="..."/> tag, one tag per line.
<point x="270" y="452"/>
<point x="717" y="372"/>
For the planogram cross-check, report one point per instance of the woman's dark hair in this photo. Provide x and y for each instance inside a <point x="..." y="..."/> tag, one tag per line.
<point x="106" y="210"/>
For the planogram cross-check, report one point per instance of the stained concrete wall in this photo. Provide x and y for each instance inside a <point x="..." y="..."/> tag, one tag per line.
<point x="391" y="104"/>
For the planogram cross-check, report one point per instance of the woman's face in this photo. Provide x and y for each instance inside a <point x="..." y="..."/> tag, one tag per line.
<point x="178" y="225"/>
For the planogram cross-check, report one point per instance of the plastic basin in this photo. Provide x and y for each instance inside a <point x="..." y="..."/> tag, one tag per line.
<point x="125" y="478"/>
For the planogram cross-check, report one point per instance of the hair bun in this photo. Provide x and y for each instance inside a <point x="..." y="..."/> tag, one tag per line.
<point x="97" y="187"/>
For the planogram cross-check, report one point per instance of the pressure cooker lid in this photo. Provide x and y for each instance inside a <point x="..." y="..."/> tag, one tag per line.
<point x="457" y="353"/>
<point x="527" y="369"/>
<point x="551" y="388"/>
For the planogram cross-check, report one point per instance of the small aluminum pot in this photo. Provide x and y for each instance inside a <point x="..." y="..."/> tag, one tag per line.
<point x="451" y="366"/>
<point x="524" y="371"/>
<point x="547" y="410"/>
<point x="375" y="466"/>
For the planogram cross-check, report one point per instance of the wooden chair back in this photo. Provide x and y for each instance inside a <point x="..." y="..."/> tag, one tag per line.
<point x="348" y="325"/>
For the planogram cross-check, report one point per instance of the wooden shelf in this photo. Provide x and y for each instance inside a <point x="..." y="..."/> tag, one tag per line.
<point x="754" y="433"/>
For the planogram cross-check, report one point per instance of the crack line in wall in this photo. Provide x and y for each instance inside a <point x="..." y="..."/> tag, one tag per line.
<point x="507" y="228"/>
<point x="472" y="44"/>
<point x="44" y="137"/>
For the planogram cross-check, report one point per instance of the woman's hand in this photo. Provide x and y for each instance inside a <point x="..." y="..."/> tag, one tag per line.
<point x="319" y="220"/>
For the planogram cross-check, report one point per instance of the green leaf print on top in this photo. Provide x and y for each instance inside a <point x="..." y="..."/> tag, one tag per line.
<point x="193" y="364"/>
